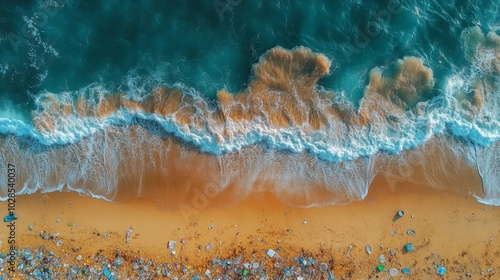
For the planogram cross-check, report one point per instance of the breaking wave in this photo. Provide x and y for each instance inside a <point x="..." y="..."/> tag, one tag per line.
<point x="284" y="133"/>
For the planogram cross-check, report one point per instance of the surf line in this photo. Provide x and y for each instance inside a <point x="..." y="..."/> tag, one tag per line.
<point x="11" y="216"/>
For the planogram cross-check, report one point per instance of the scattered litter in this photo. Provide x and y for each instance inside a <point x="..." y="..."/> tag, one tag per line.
<point x="271" y="253"/>
<point x="410" y="232"/>
<point x="208" y="247"/>
<point x="405" y="270"/>
<point x="247" y="265"/>
<point x="409" y="247"/>
<point x="348" y="255"/>
<point x="171" y="245"/>
<point x="381" y="259"/>
<point x="128" y="234"/>
<point x="392" y="232"/>
<point x="368" y="249"/>
<point x="10" y="218"/>
<point x="305" y="222"/>
<point x="211" y="226"/>
<point x="302" y="261"/>
<point x="380" y="267"/>
<point x="393" y="272"/>
<point x="401" y="213"/>
<point x="58" y="220"/>
<point x="441" y="270"/>
<point x="37" y="273"/>
<point x="30" y="227"/>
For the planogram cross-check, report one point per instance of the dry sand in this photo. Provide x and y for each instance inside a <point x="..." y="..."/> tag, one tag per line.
<point x="451" y="230"/>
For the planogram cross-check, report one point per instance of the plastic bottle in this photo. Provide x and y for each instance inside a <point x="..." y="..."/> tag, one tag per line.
<point x="381" y="259"/>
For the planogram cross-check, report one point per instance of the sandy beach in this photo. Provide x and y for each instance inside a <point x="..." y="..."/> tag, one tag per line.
<point x="451" y="230"/>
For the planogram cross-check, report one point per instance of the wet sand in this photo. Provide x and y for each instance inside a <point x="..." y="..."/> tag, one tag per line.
<point x="451" y="230"/>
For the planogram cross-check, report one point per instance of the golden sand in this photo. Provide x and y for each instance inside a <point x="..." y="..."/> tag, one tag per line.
<point x="452" y="230"/>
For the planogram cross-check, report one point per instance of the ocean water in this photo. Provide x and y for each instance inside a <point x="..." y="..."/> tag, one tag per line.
<point x="310" y="101"/>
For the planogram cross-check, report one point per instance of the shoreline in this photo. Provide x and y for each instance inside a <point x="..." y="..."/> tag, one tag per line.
<point x="452" y="230"/>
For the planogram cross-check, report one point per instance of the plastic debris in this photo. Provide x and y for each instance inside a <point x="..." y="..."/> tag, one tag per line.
<point x="380" y="267"/>
<point x="410" y="232"/>
<point x="392" y="232"/>
<point x="401" y="213"/>
<point x="348" y="255"/>
<point x="271" y="253"/>
<point x="10" y="218"/>
<point x="409" y="247"/>
<point x="393" y="272"/>
<point x="208" y="247"/>
<point x="37" y="273"/>
<point x="405" y="270"/>
<point x="441" y="270"/>
<point x="368" y="249"/>
<point x="128" y="234"/>
<point x="171" y="245"/>
<point x="381" y="259"/>
<point x="287" y="271"/>
<point x="30" y="227"/>
<point x="301" y="261"/>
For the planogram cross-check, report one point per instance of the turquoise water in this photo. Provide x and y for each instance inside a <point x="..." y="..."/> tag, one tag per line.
<point x="68" y="50"/>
